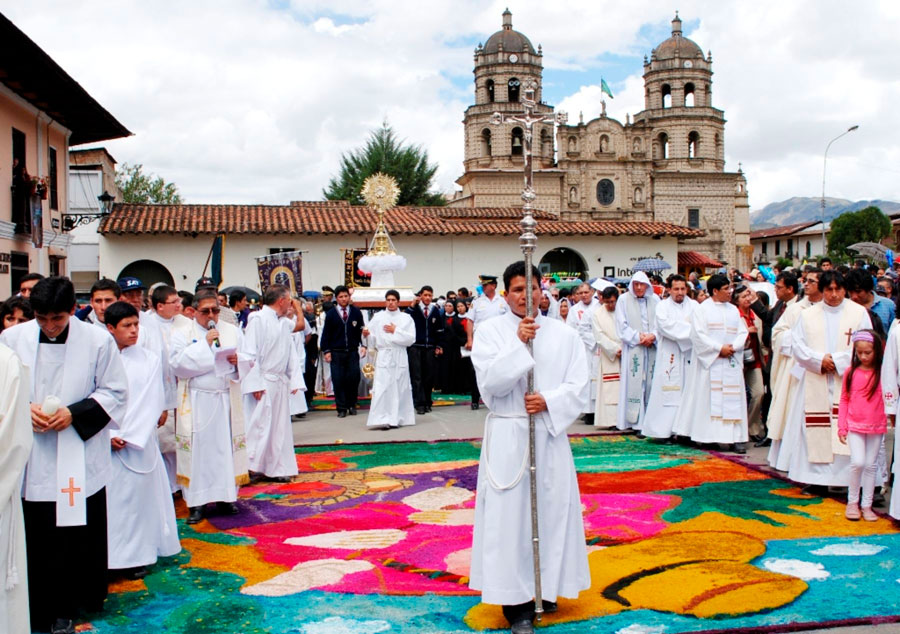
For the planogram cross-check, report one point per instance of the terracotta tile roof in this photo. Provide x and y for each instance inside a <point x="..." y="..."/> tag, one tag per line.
<point x="321" y="218"/>
<point x="693" y="258"/>
<point x="786" y="230"/>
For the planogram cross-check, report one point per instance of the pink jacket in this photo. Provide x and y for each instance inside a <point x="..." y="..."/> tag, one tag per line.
<point x="859" y="413"/>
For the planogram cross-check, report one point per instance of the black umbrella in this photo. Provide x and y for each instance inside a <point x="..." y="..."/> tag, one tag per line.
<point x="251" y="294"/>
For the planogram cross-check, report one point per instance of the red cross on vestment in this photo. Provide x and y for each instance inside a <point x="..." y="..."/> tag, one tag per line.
<point x="71" y="490"/>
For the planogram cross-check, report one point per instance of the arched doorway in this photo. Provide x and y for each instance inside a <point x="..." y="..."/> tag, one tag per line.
<point x="148" y="272"/>
<point x="564" y="263"/>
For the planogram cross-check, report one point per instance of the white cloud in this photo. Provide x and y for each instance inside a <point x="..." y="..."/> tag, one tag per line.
<point x="250" y="102"/>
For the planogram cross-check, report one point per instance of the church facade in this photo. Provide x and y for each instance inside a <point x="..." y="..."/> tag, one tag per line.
<point x="664" y="164"/>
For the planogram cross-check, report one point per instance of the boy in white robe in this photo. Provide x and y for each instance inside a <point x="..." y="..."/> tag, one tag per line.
<point x="389" y="333"/>
<point x="15" y="446"/>
<point x="141" y="516"/>
<point x="211" y="445"/>
<point x="270" y="373"/>
<point x="822" y="349"/>
<point x="580" y="318"/>
<point x="77" y="388"/>
<point x="673" y="354"/>
<point x="502" y="563"/>
<point x="609" y="351"/>
<point x="300" y="332"/>
<point x="714" y="409"/>
<point x="636" y="327"/>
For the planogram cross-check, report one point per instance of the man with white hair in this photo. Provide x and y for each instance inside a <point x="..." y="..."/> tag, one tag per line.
<point x="636" y="327"/>
<point x="580" y="318"/>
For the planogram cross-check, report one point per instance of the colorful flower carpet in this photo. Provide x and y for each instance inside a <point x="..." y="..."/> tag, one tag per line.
<point x="376" y="538"/>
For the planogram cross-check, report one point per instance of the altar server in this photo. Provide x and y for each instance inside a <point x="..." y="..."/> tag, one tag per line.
<point x="391" y="332"/>
<point x="78" y="387"/>
<point x="609" y="349"/>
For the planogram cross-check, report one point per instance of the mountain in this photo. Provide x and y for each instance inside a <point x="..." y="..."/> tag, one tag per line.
<point x="799" y="209"/>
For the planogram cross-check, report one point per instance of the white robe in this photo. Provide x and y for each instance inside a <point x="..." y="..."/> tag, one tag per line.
<point x="15" y="446"/>
<point x="606" y="379"/>
<point x="890" y="386"/>
<point x="580" y="318"/>
<point x="212" y="477"/>
<point x="800" y="469"/>
<point x="673" y="356"/>
<point x="269" y="364"/>
<point x="502" y="566"/>
<point x="298" y="403"/>
<point x="630" y="334"/>
<point x="392" y="402"/>
<point x="714" y="324"/>
<point x="140" y="514"/>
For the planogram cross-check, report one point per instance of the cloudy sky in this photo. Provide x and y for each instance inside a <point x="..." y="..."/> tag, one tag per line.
<point x="253" y="101"/>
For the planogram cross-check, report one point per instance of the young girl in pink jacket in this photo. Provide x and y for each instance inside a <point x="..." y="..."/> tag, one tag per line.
<point x="862" y="422"/>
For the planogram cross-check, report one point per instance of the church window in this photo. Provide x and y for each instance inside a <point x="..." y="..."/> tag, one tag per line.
<point x="606" y="192"/>
<point x="573" y="144"/>
<point x="485" y="142"/>
<point x="517" y="141"/>
<point x="663" y="146"/>
<point x="689" y="95"/>
<point x="636" y="145"/>
<point x="638" y="195"/>
<point x="718" y="142"/>
<point x="604" y="143"/>
<point x="694" y="218"/>
<point x="490" y="90"/>
<point x="573" y="194"/>
<point x="693" y="144"/>
<point x="546" y="143"/>
<point x="808" y="249"/>
<point x="765" y="247"/>
<point x="666" y="92"/>
<point x="513" y="89"/>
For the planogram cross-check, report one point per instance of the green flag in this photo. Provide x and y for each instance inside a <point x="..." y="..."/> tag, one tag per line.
<point x="604" y="88"/>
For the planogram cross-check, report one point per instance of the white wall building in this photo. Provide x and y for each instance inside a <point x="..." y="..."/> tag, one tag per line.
<point x="797" y="242"/>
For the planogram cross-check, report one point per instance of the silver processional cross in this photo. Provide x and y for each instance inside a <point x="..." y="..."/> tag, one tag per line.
<point x="528" y="243"/>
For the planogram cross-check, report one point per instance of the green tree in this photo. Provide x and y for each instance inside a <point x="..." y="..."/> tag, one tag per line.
<point x="865" y="225"/>
<point x="137" y="187"/>
<point x="383" y="152"/>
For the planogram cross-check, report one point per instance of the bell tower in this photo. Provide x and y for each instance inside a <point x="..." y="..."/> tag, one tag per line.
<point x="504" y="66"/>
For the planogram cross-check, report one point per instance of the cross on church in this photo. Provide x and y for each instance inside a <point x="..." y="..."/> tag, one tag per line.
<point x="71" y="490"/>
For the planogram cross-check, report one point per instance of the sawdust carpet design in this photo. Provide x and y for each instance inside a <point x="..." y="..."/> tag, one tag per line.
<point x="376" y="538"/>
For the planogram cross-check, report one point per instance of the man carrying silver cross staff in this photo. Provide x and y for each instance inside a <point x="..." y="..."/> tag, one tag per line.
<point x="528" y="543"/>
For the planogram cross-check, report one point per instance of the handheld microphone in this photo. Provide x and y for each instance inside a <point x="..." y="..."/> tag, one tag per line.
<point x="212" y="326"/>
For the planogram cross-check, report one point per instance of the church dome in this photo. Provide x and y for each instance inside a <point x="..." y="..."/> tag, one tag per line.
<point x="511" y="41"/>
<point x="677" y="46"/>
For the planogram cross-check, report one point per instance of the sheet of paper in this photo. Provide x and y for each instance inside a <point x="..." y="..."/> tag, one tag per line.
<point x="223" y="367"/>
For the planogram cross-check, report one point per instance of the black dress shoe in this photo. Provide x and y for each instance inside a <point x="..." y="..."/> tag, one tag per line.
<point x="550" y="607"/>
<point x="738" y="448"/>
<point x="428" y="408"/>
<point x="342" y="413"/>
<point x="63" y="626"/>
<point x="352" y="411"/>
<point x="420" y="410"/>
<point x="196" y="515"/>
<point x="522" y="627"/>
<point x="765" y="442"/>
<point x="135" y="573"/>
<point x="227" y="508"/>
<point x="474" y="405"/>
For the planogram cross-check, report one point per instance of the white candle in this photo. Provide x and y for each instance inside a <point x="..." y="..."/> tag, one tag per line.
<point x="51" y="405"/>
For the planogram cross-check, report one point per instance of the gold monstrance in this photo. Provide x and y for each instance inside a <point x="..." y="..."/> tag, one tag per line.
<point x="381" y="192"/>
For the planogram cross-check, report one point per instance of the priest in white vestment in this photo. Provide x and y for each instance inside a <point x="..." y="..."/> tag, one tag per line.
<point x="890" y="387"/>
<point x="636" y="327"/>
<point x="211" y="444"/>
<point x="502" y="564"/>
<point x="714" y="409"/>
<point x="140" y="512"/>
<point x="609" y="352"/>
<point x="300" y="331"/>
<point x="390" y="332"/>
<point x="270" y="373"/>
<point x="673" y="355"/>
<point x="15" y="446"/>
<point x="784" y="382"/>
<point x="823" y="351"/>
<point x="78" y="389"/>
<point x="580" y="318"/>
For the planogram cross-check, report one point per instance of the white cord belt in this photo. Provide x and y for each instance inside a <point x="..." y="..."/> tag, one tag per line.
<point x="487" y="453"/>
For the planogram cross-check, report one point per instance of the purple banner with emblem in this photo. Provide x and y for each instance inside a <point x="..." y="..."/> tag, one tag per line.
<point x="281" y="268"/>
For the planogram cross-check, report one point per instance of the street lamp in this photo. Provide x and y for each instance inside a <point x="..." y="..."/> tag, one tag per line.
<point x="824" y="165"/>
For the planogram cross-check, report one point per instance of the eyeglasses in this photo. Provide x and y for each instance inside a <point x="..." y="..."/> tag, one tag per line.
<point x="210" y="311"/>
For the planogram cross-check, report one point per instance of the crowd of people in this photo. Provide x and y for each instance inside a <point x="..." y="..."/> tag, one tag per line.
<point x="149" y="393"/>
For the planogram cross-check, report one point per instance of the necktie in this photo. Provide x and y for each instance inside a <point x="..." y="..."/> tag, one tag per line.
<point x="344" y="310"/>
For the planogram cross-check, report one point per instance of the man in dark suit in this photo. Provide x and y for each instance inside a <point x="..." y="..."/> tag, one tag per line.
<point x="422" y="354"/>
<point x="340" y="343"/>
<point x="786" y="288"/>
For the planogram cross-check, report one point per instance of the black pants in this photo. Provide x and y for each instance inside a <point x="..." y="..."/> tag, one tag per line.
<point x="345" y="378"/>
<point x="309" y="377"/>
<point x="66" y="565"/>
<point x="516" y="613"/>
<point x="422" y="366"/>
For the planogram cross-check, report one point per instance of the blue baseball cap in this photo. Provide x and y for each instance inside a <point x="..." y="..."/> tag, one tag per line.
<point x="130" y="284"/>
